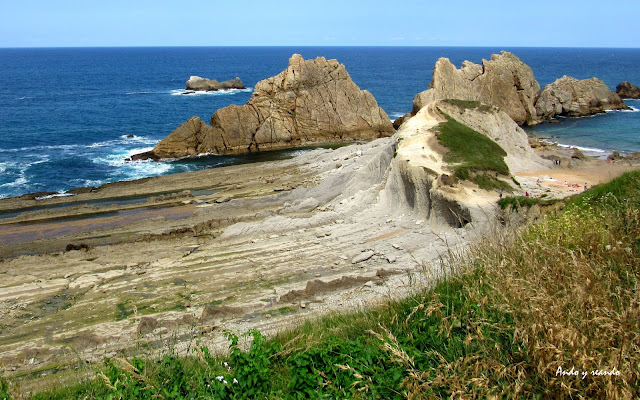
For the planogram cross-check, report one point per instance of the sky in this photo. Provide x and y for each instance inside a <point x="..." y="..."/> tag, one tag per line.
<point x="542" y="23"/>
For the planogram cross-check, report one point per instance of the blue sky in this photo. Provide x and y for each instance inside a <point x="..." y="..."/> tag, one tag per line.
<point x="558" y="23"/>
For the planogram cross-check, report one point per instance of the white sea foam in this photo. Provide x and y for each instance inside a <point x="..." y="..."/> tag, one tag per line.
<point x="395" y="115"/>
<point x="143" y="169"/>
<point x="588" y="151"/>
<point x="630" y="109"/>
<point x="145" y="92"/>
<point x="51" y="196"/>
<point x="123" y="140"/>
<point x="222" y="92"/>
<point x="130" y="170"/>
<point x="22" y="180"/>
<point x="118" y="157"/>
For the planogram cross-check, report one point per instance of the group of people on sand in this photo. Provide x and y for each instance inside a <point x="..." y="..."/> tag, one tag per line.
<point x="574" y="186"/>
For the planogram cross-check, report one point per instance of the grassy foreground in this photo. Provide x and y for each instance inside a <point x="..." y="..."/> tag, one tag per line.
<point x="549" y="311"/>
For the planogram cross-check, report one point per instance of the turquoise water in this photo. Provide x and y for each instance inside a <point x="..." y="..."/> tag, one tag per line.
<point x="66" y="114"/>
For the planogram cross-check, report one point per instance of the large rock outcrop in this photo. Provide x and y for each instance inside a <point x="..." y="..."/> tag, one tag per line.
<point x="571" y="97"/>
<point x="198" y="83"/>
<point x="505" y="82"/>
<point x="311" y="102"/>
<point x="627" y="90"/>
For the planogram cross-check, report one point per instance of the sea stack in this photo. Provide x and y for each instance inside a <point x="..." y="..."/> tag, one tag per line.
<point x="311" y="102"/>
<point x="571" y="97"/>
<point x="505" y="82"/>
<point x="627" y="90"/>
<point x="198" y="83"/>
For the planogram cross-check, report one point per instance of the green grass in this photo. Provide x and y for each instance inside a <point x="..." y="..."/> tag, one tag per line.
<point x="520" y="304"/>
<point x="516" y="202"/>
<point x="488" y="182"/>
<point x="473" y="156"/>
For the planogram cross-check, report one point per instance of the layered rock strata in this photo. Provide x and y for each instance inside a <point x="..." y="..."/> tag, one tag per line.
<point x="505" y="82"/>
<point x="199" y="83"/>
<point x="627" y="90"/>
<point x="311" y="102"/>
<point x="571" y="97"/>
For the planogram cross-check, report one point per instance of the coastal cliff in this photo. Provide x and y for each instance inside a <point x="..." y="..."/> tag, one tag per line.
<point x="311" y="102"/>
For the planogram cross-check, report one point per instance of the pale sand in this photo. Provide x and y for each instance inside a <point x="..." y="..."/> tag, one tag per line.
<point x="562" y="182"/>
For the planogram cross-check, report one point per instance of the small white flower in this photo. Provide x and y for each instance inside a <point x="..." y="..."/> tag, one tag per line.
<point x="226" y="364"/>
<point x="225" y="382"/>
<point x="220" y="378"/>
<point x="235" y="380"/>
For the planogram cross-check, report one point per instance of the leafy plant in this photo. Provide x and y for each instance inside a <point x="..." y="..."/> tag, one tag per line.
<point x="4" y="390"/>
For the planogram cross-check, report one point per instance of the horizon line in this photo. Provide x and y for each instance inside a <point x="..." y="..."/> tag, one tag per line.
<point x="312" y="46"/>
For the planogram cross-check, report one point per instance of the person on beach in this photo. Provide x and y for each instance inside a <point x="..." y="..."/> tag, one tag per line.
<point x="585" y="186"/>
<point x="500" y="193"/>
<point x="526" y="194"/>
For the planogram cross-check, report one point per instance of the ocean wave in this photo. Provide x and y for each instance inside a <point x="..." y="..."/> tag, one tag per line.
<point x="130" y="170"/>
<point x="21" y="181"/>
<point x="145" y="92"/>
<point x="395" y="115"/>
<point x="630" y="109"/>
<point x="124" y="139"/>
<point x="117" y="158"/>
<point x="589" y="151"/>
<point x="222" y="92"/>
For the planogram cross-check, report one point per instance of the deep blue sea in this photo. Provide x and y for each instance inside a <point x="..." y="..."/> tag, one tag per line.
<point x="65" y="113"/>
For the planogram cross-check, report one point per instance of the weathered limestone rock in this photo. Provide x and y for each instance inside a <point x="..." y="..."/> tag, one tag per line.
<point x="504" y="82"/>
<point x="571" y="97"/>
<point x="311" y="102"/>
<point x="198" y="83"/>
<point x="626" y="90"/>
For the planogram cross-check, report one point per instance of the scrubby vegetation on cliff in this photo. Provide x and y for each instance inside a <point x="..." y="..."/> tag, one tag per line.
<point x="550" y="310"/>
<point x="472" y="155"/>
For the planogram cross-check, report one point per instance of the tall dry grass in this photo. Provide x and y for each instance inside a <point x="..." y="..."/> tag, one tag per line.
<point x="570" y="285"/>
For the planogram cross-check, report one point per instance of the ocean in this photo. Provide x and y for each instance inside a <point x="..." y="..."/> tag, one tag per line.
<point x="67" y="114"/>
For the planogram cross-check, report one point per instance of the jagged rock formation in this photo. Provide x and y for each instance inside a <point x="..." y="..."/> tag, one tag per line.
<point x="508" y="83"/>
<point x="198" y="83"/>
<point x="627" y="90"/>
<point x="571" y="97"/>
<point x="311" y="102"/>
<point x="505" y="82"/>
